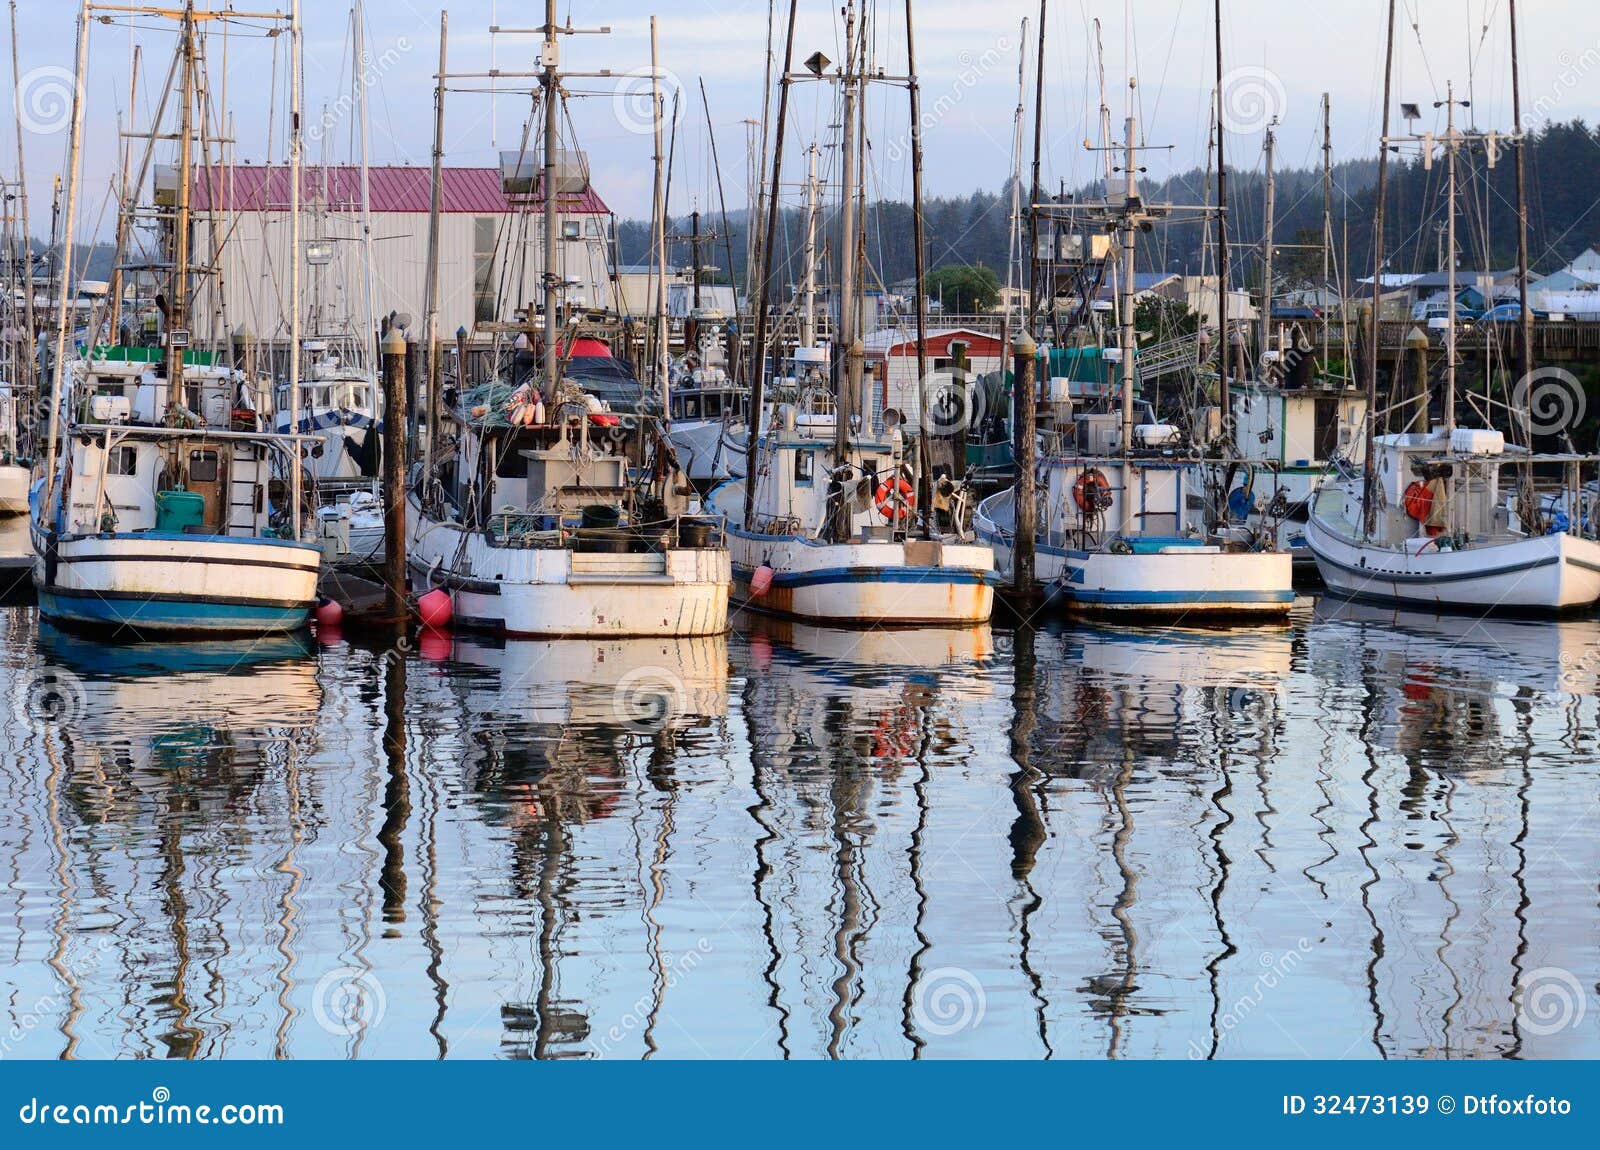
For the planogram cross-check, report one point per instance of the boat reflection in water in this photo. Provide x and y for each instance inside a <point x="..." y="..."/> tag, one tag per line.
<point x="572" y="749"/>
<point x="1365" y="833"/>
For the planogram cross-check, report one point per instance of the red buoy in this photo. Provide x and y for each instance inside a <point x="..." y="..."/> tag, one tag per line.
<point x="761" y="580"/>
<point x="434" y="608"/>
<point x="328" y="613"/>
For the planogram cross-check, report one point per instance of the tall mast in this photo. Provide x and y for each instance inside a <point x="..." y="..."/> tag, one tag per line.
<point x="1525" y="316"/>
<point x="369" y="321"/>
<point x="63" y="294"/>
<point x="430" y="288"/>
<point x="22" y="203"/>
<point x="843" y="384"/>
<point x="924" y="455"/>
<point x="1369" y="471"/>
<point x="1224" y="348"/>
<point x="124" y="197"/>
<point x="1450" y="257"/>
<point x="808" y="270"/>
<point x="1264" y="341"/>
<point x="1125" y="335"/>
<point x="764" y="295"/>
<point x="845" y="362"/>
<point x="178" y="293"/>
<point x="1327" y="217"/>
<point x="552" y="273"/>
<point x="1035" y="191"/>
<point x="659" y="239"/>
<point x="296" y="159"/>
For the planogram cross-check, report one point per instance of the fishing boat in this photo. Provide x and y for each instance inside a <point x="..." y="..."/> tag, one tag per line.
<point x="169" y="506"/>
<point x="15" y="465"/>
<point x="833" y="522"/>
<point x="708" y="410"/>
<point x="1127" y="505"/>
<point x="1449" y="516"/>
<point x="553" y="516"/>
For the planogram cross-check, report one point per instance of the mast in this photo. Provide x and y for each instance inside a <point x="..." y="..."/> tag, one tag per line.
<point x="125" y="196"/>
<point x="1327" y="217"/>
<point x="1525" y="316"/>
<point x="296" y="159"/>
<point x="808" y="271"/>
<point x="369" y="321"/>
<point x="924" y="454"/>
<point x="30" y="375"/>
<point x="1450" y="256"/>
<point x="1129" y="228"/>
<point x="1036" y="192"/>
<point x="1369" y="469"/>
<point x="430" y="289"/>
<point x="1264" y="341"/>
<point x="551" y="78"/>
<point x="659" y="239"/>
<point x="1224" y="347"/>
<point x="844" y="346"/>
<point x="63" y="293"/>
<point x="753" y="445"/>
<point x="178" y="291"/>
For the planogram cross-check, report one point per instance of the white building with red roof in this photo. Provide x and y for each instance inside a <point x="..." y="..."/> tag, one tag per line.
<point x="491" y="258"/>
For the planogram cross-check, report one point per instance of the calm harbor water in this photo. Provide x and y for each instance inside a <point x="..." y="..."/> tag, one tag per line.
<point x="1366" y="834"/>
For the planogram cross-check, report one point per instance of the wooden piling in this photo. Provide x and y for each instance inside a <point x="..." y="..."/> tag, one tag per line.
<point x="394" y="474"/>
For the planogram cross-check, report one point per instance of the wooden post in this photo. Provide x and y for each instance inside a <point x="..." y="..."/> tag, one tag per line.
<point x="1416" y="417"/>
<point x="394" y="474"/>
<point x="1025" y="355"/>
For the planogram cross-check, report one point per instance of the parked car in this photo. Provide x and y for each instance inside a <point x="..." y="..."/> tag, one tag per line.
<point x="1431" y="309"/>
<point x="1509" y="313"/>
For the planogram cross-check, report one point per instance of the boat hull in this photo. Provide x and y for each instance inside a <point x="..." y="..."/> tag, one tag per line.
<point x="558" y="593"/>
<point x="1547" y="573"/>
<point x="872" y="584"/>
<point x="158" y="582"/>
<point x="706" y="450"/>
<point x="1170" y="581"/>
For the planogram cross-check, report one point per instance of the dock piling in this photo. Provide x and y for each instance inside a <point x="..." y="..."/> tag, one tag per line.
<point x="394" y="474"/>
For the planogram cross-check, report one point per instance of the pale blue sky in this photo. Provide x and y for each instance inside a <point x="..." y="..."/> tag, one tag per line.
<point x="968" y="63"/>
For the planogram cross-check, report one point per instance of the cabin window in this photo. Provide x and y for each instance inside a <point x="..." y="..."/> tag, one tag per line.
<point x="122" y="461"/>
<point x="804" y="468"/>
<point x="485" y="239"/>
<point x="203" y="467"/>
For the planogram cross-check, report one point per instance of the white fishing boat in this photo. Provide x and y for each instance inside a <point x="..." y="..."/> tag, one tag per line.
<point x="535" y="521"/>
<point x="165" y="505"/>
<point x="706" y="420"/>
<point x="1430" y="522"/>
<point x="792" y="559"/>
<point x="1126" y="506"/>
<point x="828" y="525"/>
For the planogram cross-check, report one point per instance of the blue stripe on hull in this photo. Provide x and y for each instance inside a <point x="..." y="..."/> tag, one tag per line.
<point x="189" y="615"/>
<point x="1160" y="598"/>
<point x="833" y="575"/>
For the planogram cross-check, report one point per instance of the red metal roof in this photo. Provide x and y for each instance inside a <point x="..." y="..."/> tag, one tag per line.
<point x="253" y="187"/>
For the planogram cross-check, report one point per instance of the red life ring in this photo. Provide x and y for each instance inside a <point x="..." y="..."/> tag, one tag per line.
<point x="1095" y="478"/>
<point x="1418" y="501"/>
<point x="895" y="499"/>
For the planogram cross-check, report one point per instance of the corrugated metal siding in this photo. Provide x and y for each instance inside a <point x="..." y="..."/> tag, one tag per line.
<point x="474" y="191"/>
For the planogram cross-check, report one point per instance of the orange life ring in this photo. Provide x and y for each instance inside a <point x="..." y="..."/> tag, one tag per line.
<point x="895" y="499"/>
<point x="1418" y="501"/>
<point x="1093" y="477"/>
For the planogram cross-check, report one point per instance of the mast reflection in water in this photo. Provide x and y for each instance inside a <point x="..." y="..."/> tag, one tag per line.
<point x="1366" y="833"/>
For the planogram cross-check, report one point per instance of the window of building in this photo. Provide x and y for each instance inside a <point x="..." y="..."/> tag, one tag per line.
<point x="485" y="242"/>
